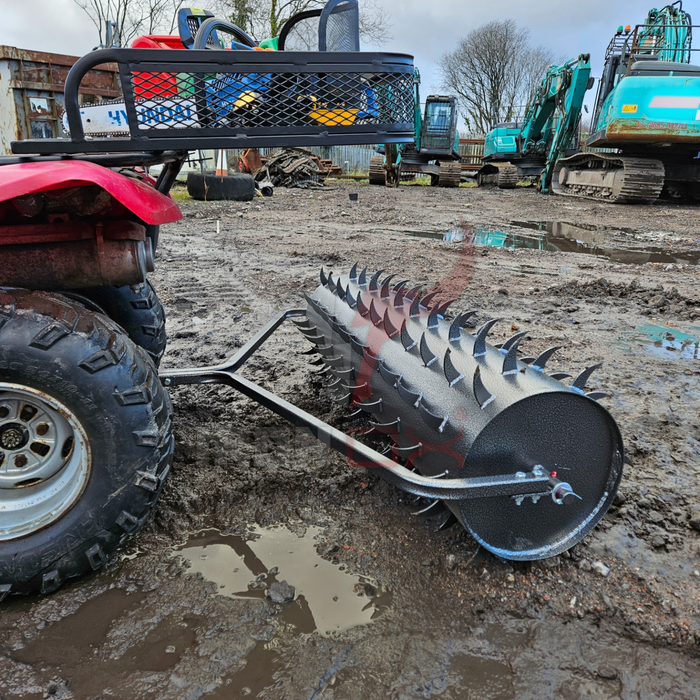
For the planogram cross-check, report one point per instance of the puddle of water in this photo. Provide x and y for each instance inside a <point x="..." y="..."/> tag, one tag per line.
<point x="327" y="599"/>
<point x="565" y="237"/>
<point x="670" y="343"/>
<point x="664" y="342"/>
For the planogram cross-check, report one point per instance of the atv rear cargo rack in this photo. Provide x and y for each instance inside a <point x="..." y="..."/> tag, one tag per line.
<point x="198" y="99"/>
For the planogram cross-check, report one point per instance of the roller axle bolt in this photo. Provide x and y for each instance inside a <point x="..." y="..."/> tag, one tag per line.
<point x="563" y="494"/>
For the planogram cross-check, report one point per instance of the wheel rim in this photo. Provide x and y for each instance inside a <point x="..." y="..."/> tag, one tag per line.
<point x="45" y="460"/>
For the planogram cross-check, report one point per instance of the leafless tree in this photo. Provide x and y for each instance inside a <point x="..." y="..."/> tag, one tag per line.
<point x="265" y="18"/>
<point x="494" y="71"/>
<point x="131" y="17"/>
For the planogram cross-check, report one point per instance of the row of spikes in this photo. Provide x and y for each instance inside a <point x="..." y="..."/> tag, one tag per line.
<point x="509" y="348"/>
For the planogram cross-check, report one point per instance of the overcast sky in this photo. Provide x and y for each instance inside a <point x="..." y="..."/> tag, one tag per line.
<point x="424" y="28"/>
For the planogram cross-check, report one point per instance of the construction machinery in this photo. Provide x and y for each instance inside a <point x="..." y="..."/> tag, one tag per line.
<point x="434" y="151"/>
<point x="646" y="129"/>
<point x="531" y="148"/>
<point x="528" y="464"/>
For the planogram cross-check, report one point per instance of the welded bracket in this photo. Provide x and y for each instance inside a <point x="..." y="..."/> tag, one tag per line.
<point x="518" y="484"/>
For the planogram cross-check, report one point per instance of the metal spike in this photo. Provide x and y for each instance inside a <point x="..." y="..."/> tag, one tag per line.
<point x="449" y="521"/>
<point x="331" y="282"/>
<point x="310" y="351"/>
<point x="426" y="353"/>
<point x="457" y="324"/>
<point x="324" y="279"/>
<point x="336" y="384"/>
<point x="542" y="358"/>
<point x="357" y="346"/>
<point x="373" y="282"/>
<point x="308" y="332"/>
<point x="559" y="375"/>
<point x="408" y="396"/>
<point x="433" y="508"/>
<point x="353" y="389"/>
<point x="371" y="407"/>
<point x="362" y="279"/>
<point x="595" y="395"/>
<point x="302" y="324"/>
<point x="389" y="377"/>
<point x="482" y="395"/>
<point x="374" y="315"/>
<point x="399" y="285"/>
<point x="326" y="350"/>
<point x="324" y="370"/>
<point x="346" y="373"/>
<point x="513" y="340"/>
<point x="351" y="300"/>
<point x="433" y="319"/>
<point x="452" y="374"/>
<point x="389" y="327"/>
<point x="343" y="334"/>
<point x="395" y="423"/>
<point x="353" y="273"/>
<point x="412" y="293"/>
<point x="317" y="361"/>
<point x="398" y="299"/>
<point x="316" y="339"/>
<point x="386" y="289"/>
<point x="510" y="361"/>
<point x="527" y="360"/>
<point x="433" y="421"/>
<point x="408" y="449"/>
<point x="415" y="307"/>
<point x="334" y="361"/>
<point x="369" y="357"/>
<point x="406" y="340"/>
<point x="440" y="310"/>
<point x="480" y="339"/>
<point x="580" y="382"/>
<point x="312" y="302"/>
<point x="343" y="399"/>
<point x="425" y="302"/>
<point x="340" y="291"/>
<point x="361" y="308"/>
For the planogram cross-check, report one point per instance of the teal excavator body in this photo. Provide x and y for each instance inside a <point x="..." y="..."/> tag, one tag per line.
<point x="435" y="151"/>
<point x="646" y="117"/>
<point x="533" y="146"/>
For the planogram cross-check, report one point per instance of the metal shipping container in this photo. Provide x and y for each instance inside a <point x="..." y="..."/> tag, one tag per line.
<point x="31" y="93"/>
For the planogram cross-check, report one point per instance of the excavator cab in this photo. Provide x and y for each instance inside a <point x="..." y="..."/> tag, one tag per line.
<point x="438" y="134"/>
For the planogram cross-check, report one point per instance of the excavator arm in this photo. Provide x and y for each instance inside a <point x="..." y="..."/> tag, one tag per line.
<point x="554" y="112"/>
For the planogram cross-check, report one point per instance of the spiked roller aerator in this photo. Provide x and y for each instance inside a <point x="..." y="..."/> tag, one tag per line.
<point x="457" y="407"/>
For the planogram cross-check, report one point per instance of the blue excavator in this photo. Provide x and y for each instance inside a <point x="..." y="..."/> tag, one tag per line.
<point x="532" y="147"/>
<point x="435" y="150"/>
<point x="646" y="118"/>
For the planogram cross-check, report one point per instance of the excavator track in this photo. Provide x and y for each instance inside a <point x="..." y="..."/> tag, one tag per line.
<point x="609" y="177"/>
<point x="450" y="173"/>
<point x="507" y="177"/>
<point x="377" y="172"/>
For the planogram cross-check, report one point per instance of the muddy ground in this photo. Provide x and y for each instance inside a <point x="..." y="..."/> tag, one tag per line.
<point x="386" y="606"/>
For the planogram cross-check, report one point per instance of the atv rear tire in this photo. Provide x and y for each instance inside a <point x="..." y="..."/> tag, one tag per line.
<point x="85" y="435"/>
<point x="136" y="309"/>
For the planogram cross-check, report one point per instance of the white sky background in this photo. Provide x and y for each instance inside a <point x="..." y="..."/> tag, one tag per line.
<point x="424" y="28"/>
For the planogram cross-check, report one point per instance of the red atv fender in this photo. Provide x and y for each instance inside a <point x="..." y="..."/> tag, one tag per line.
<point x="142" y="199"/>
<point x="88" y="243"/>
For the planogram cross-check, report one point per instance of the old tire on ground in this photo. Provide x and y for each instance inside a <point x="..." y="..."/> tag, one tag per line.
<point x="86" y="435"/>
<point x="136" y="309"/>
<point x="239" y="187"/>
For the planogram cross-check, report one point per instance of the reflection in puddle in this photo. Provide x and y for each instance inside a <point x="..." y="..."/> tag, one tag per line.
<point x="561" y="236"/>
<point x="327" y="599"/>
<point x="670" y="343"/>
